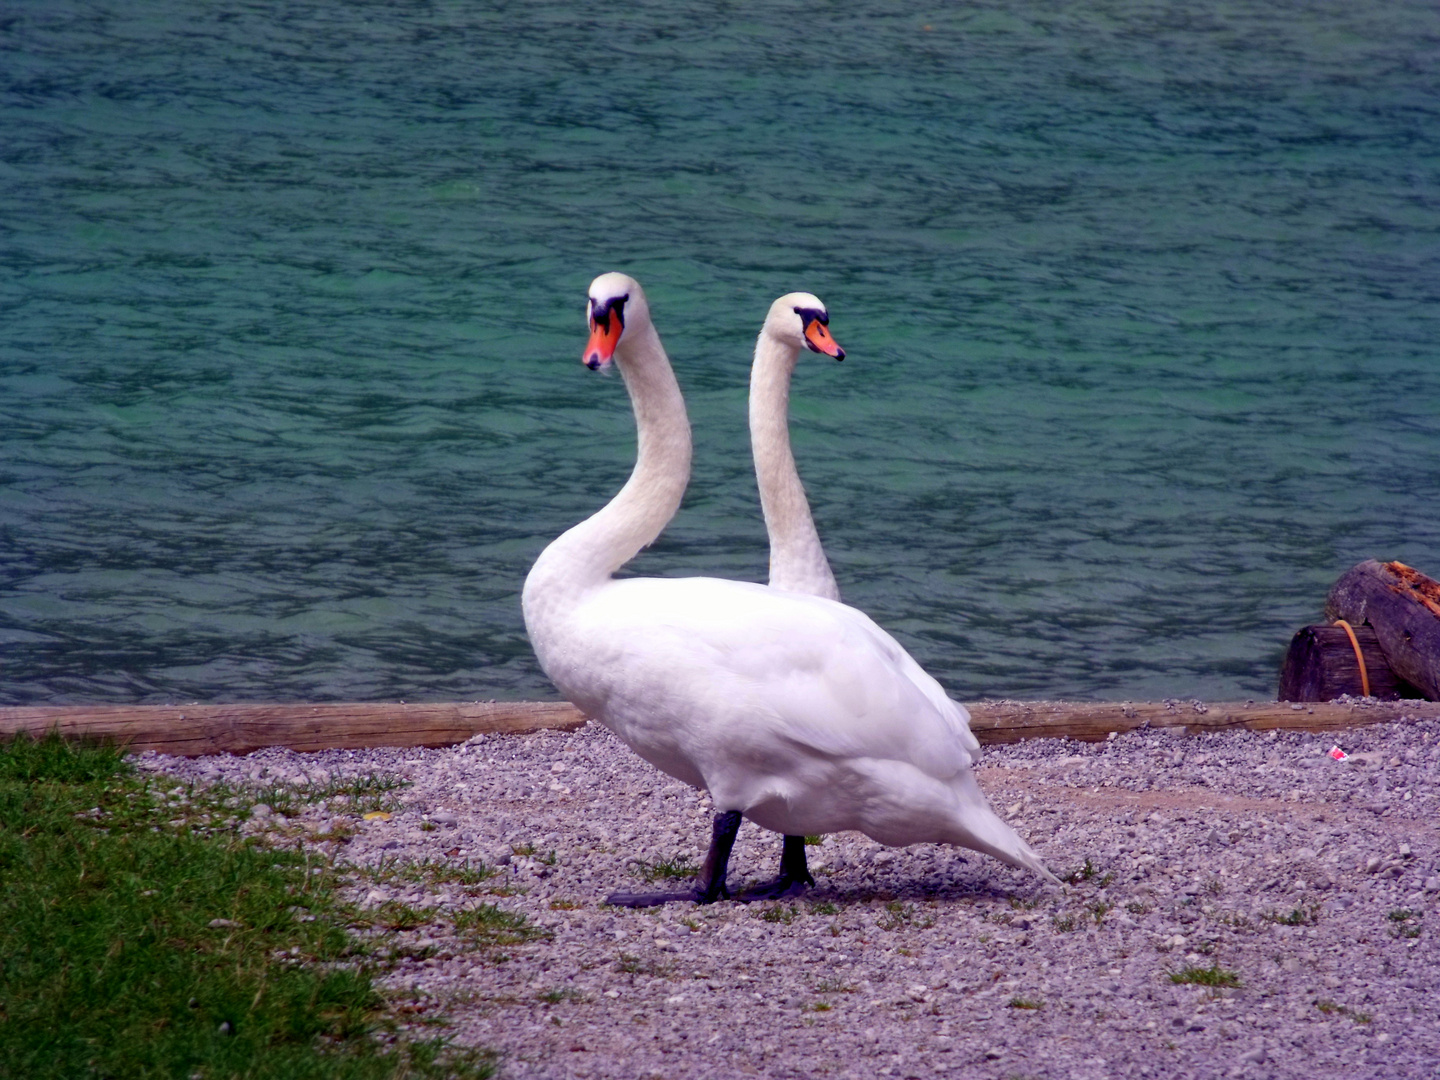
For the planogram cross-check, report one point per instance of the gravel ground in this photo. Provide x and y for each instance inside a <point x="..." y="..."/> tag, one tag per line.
<point x="1314" y="884"/>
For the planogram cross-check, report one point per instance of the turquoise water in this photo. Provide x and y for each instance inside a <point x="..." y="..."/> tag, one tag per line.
<point x="1140" y="302"/>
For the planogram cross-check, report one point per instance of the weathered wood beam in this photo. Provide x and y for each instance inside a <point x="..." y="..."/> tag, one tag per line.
<point x="1011" y="721"/>
<point x="191" y="730"/>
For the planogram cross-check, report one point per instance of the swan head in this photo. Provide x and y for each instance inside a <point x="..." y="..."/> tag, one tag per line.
<point x="800" y="320"/>
<point x="616" y="300"/>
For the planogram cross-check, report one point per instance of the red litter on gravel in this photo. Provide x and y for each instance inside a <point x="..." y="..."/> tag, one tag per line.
<point x="1338" y="754"/>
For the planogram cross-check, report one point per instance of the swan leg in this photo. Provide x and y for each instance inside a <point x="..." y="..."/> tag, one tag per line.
<point x="794" y="875"/>
<point x="710" y="884"/>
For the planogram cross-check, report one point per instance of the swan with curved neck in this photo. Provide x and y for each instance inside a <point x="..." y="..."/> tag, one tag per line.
<point x="794" y="711"/>
<point x="796" y="321"/>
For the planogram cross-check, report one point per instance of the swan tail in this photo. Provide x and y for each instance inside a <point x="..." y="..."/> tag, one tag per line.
<point x="979" y="828"/>
<point x="998" y="840"/>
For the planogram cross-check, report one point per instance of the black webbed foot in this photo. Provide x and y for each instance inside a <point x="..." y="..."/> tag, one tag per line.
<point x="655" y="899"/>
<point x="779" y="889"/>
<point x="794" y="875"/>
<point x="709" y="885"/>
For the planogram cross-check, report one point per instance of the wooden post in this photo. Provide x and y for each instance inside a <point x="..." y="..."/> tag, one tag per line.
<point x="1321" y="666"/>
<point x="1403" y="606"/>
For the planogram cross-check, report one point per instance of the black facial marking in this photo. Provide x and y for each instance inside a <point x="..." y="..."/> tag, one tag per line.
<point x="601" y="310"/>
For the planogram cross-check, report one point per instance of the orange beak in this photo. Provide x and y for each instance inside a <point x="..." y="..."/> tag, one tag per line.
<point x="604" y="336"/>
<point x="817" y="336"/>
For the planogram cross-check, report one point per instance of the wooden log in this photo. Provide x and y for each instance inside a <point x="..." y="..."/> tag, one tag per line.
<point x="1403" y="605"/>
<point x="1011" y="721"/>
<point x="1321" y="666"/>
<point x="190" y="730"/>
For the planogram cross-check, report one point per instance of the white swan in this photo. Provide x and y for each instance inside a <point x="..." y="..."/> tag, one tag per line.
<point x="797" y="558"/>
<point x="794" y="711"/>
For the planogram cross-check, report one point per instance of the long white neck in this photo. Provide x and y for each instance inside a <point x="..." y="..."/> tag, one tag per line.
<point x="797" y="561"/>
<point x="588" y="554"/>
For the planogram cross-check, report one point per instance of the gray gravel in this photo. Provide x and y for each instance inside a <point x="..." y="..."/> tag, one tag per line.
<point x="1249" y="853"/>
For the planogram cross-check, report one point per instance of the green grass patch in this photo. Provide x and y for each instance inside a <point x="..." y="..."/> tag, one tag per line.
<point x="1329" y="1008"/>
<point x="898" y="914"/>
<point x="1214" y="975"/>
<point x="142" y="937"/>
<point x="392" y="915"/>
<point x="678" y="868"/>
<point x="1025" y="1003"/>
<point x="1300" y="916"/>
<point x="1087" y="872"/>
<point x="351" y="795"/>
<point x="427" y="872"/>
<point x="779" y="913"/>
<point x="487" y="925"/>
<point x="1404" y="923"/>
<point x="629" y="964"/>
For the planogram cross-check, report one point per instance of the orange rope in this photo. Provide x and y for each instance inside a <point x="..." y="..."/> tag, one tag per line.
<point x="1359" y="656"/>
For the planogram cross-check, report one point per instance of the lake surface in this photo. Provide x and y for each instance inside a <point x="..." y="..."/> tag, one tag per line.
<point x="1140" y="302"/>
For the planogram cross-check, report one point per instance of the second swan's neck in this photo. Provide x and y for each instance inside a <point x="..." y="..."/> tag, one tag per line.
<point x="797" y="561"/>
<point x="589" y="553"/>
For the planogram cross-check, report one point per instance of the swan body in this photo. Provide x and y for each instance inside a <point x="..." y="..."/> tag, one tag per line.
<point x="792" y="710"/>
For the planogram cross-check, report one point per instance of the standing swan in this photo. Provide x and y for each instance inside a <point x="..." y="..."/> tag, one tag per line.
<point x="797" y="558"/>
<point x="794" y="711"/>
